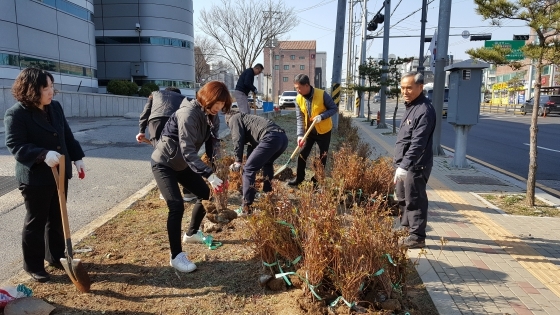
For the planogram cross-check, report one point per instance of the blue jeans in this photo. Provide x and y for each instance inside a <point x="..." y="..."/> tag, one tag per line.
<point x="168" y="182"/>
<point x="271" y="146"/>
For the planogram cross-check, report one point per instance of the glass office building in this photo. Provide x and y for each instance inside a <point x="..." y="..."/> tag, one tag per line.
<point x="55" y="35"/>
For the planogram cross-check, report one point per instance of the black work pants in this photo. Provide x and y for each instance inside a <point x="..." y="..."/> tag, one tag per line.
<point x="413" y="201"/>
<point x="168" y="182"/>
<point x="42" y="234"/>
<point x="323" y="141"/>
<point x="271" y="146"/>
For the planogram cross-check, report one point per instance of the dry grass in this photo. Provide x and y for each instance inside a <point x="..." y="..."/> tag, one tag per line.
<point x="515" y="204"/>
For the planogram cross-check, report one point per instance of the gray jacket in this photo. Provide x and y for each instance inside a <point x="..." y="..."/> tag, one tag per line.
<point x="187" y="129"/>
<point x="161" y="104"/>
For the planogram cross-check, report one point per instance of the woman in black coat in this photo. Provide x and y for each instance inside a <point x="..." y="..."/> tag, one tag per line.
<point x="37" y="133"/>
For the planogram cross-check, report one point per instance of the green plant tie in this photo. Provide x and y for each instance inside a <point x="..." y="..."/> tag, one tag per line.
<point x="208" y="241"/>
<point x="333" y="303"/>
<point x="360" y="193"/>
<point x="292" y="228"/>
<point x="311" y="287"/>
<point x="390" y="259"/>
<point x="295" y="261"/>
<point x="379" y="272"/>
<point x="282" y="272"/>
<point x="270" y="265"/>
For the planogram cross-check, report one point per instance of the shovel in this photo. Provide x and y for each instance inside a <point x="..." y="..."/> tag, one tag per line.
<point x="283" y="167"/>
<point x="73" y="267"/>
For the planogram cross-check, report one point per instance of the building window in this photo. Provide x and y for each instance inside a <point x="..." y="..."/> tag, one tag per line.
<point x="276" y="57"/>
<point x="49" y="65"/>
<point x="302" y="67"/>
<point x="301" y="57"/>
<point x="70" y="8"/>
<point x="466" y="74"/>
<point x="133" y="40"/>
<point x="293" y="57"/>
<point x="286" y="67"/>
<point x="276" y="67"/>
<point x="285" y="79"/>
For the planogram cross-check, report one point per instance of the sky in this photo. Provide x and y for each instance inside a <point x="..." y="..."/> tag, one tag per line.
<point x="322" y="30"/>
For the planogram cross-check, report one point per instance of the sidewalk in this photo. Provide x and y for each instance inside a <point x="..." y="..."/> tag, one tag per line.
<point x="479" y="260"/>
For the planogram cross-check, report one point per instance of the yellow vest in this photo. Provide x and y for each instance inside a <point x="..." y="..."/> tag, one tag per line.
<point x="317" y="107"/>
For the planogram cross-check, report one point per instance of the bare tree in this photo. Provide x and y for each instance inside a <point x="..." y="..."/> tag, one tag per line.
<point x="206" y="52"/>
<point x="241" y="28"/>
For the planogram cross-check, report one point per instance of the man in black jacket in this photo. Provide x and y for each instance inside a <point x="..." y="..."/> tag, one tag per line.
<point x="269" y="141"/>
<point x="244" y="86"/>
<point x="414" y="158"/>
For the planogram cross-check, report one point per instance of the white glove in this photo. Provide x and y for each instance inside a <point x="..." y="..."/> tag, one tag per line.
<point x="52" y="158"/>
<point x="140" y="137"/>
<point x="81" y="168"/>
<point x="317" y="119"/>
<point x="235" y="167"/>
<point x="215" y="182"/>
<point x="300" y="141"/>
<point x="400" y="174"/>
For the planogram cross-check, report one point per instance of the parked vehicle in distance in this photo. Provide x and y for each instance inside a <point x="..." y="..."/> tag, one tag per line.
<point x="376" y="98"/>
<point x="429" y="92"/>
<point x="288" y="98"/>
<point x="548" y="104"/>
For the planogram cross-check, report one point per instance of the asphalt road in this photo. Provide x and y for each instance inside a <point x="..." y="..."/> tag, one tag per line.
<point x="503" y="141"/>
<point x="116" y="167"/>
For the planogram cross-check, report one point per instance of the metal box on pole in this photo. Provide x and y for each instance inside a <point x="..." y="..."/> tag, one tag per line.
<point x="465" y="82"/>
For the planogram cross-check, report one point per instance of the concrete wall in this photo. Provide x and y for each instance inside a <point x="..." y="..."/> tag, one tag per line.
<point x="84" y="104"/>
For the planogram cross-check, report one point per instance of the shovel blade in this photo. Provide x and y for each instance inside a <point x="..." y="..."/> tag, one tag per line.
<point x="77" y="273"/>
<point x="278" y="171"/>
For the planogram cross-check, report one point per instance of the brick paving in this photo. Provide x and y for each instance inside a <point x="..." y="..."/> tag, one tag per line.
<point x="479" y="260"/>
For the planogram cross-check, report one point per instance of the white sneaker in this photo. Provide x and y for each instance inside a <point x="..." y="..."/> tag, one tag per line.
<point x="194" y="239"/>
<point x="182" y="263"/>
<point x="189" y="197"/>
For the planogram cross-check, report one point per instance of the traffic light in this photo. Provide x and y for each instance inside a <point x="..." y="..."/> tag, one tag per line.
<point x="520" y="37"/>
<point x="481" y="37"/>
<point x="377" y="19"/>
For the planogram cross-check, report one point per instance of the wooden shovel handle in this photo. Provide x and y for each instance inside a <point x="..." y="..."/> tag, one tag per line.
<point x="60" y="178"/>
<point x="303" y="139"/>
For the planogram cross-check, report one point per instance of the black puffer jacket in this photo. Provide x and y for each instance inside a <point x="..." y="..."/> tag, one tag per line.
<point x="160" y="104"/>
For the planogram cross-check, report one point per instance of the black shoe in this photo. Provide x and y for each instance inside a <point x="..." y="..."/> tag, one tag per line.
<point x="294" y="182"/>
<point x="410" y="243"/>
<point x="41" y="276"/>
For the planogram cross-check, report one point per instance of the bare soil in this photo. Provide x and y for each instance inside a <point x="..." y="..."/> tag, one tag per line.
<point x="127" y="260"/>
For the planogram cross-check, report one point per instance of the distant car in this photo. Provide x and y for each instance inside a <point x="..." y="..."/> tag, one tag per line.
<point x="376" y="98"/>
<point x="549" y="104"/>
<point x="429" y="92"/>
<point x="288" y="98"/>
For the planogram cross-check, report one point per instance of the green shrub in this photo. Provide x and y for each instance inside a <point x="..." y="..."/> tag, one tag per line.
<point x="132" y="88"/>
<point x="144" y="92"/>
<point x="117" y="87"/>
<point x="122" y="87"/>
<point x="151" y="86"/>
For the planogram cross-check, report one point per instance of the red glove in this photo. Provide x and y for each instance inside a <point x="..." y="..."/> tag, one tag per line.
<point x="300" y="142"/>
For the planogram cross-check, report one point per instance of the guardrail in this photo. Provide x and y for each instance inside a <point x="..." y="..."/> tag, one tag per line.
<point x="514" y="109"/>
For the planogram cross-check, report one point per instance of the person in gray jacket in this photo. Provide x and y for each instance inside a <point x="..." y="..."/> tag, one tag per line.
<point x="159" y="107"/>
<point x="175" y="161"/>
<point x="269" y="142"/>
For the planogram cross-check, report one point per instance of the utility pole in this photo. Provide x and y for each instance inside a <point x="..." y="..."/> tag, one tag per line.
<point x="382" y="98"/>
<point x="362" y="59"/>
<point x="423" y="21"/>
<point x="271" y="43"/>
<point x="349" y="61"/>
<point x="337" y="58"/>
<point x="439" y="73"/>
